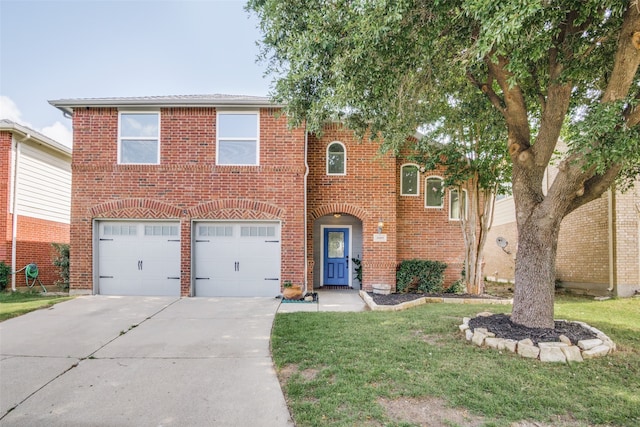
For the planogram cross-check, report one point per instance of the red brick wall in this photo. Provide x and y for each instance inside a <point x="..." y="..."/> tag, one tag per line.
<point x="187" y="185"/>
<point x="368" y="192"/>
<point x="34" y="245"/>
<point x="427" y="233"/>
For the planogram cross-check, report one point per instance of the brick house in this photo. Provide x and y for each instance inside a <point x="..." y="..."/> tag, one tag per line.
<point x="35" y="200"/>
<point x="598" y="244"/>
<point x="216" y="196"/>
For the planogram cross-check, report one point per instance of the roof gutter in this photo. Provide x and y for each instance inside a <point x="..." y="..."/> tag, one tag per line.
<point x="611" y="228"/>
<point x="37" y="137"/>
<point x="14" y="219"/>
<point x="67" y="106"/>
<point x="306" y="174"/>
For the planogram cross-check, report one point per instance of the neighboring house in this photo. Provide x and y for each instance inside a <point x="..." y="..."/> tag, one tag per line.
<point x="35" y="200"/>
<point x="216" y="196"/>
<point x="598" y="245"/>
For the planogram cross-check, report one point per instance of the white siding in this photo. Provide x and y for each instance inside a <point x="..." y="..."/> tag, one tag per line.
<point x="44" y="184"/>
<point x="505" y="212"/>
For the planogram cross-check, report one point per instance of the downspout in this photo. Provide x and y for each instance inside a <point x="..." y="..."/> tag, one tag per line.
<point x="14" y="222"/>
<point x="306" y="174"/>
<point x="611" y="206"/>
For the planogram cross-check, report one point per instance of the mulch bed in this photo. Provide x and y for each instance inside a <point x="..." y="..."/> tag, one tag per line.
<point x="499" y="324"/>
<point x="503" y="327"/>
<point x="399" y="298"/>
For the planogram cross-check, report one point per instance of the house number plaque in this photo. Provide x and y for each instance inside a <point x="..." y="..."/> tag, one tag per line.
<point x="377" y="237"/>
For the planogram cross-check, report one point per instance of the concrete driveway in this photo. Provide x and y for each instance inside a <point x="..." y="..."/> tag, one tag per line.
<point x="141" y="361"/>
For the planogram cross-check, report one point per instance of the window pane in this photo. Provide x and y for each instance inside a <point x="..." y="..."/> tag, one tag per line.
<point x="237" y="153"/>
<point x="137" y="151"/>
<point x="139" y="125"/>
<point x="336" y="163"/>
<point x="336" y="148"/>
<point x="433" y="192"/>
<point x="454" y="205"/>
<point x="237" y="125"/>
<point x="409" y="180"/>
<point x="336" y="244"/>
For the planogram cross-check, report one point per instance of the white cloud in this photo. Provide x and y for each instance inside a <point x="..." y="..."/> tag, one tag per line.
<point x="9" y="110"/>
<point x="57" y="131"/>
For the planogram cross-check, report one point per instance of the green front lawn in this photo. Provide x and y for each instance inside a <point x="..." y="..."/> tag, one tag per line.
<point x="383" y="368"/>
<point x="13" y="304"/>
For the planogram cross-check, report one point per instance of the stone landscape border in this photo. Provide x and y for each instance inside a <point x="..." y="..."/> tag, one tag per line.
<point x="561" y="352"/>
<point x="424" y="300"/>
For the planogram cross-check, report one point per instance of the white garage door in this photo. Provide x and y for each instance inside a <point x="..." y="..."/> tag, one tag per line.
<point x="237" y="259"/>
<point x="138" y="258"/>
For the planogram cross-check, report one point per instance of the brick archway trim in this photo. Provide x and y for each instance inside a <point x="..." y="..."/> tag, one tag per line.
<point x="135" y="208"/>
<point x="338" y="207"/>
<point x="236" y="209"/>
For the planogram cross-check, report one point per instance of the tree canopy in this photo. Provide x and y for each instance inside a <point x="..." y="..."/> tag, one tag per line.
<point x="548" y="69"/>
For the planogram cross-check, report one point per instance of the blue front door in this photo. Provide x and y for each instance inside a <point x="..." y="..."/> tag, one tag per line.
<point x="336" y="257"/>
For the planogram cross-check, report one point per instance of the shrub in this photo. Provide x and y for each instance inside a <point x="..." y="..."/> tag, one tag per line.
<point x="358" y="269"/>
<point x="5" y="273"/>
<point x="456" y="287"/>
<point x="62" y="262"/>
<point x="420" y="275"/>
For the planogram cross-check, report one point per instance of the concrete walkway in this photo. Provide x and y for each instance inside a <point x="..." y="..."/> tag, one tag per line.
<point x="328" y="300"/>
<point x="141" y="361"/>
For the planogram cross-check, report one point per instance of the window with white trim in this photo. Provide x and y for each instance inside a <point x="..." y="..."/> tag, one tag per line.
<point x="336" y="159"/>
<point x="139" y="138"/>
<point x="409" y="180"/>
<point x="433" y="192"/>
<point x="237" y="138"/>
<point x="457" y="207"/>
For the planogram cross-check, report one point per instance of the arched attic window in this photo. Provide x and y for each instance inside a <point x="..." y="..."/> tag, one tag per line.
<point x="336" y="159"/>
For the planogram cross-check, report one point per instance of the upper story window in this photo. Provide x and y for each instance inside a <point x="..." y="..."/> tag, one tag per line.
<point x="409" y="181"/>
<point x="457" y="204"/>
<point x="336" y="159"/>
<point x="433" y="194"/>
<point x="238" y="141"/>
<point x="139" y="138"/>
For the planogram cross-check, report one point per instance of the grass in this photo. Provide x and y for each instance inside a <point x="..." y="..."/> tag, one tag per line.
<point x="336" y="367"/>
<point x="13" y="304"/>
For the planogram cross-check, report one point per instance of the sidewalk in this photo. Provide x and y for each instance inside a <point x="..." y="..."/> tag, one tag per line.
<point x="328" y="300"/>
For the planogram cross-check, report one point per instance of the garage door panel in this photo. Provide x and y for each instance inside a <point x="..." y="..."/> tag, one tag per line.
<point x="139" y="258"/>
<point x="237" y="259"/>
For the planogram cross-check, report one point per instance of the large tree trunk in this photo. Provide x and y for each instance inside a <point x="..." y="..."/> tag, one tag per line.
<point x="536" y="271"/>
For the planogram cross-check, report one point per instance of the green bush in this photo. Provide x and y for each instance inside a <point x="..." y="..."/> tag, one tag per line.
<point x="417" y="275"/>
<point x="5" y="274"/>
<point x="456" y="287"/>
<point x="62" y="262"/>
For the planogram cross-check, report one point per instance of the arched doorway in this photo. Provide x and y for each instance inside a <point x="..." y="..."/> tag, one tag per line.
<point x="337" y="241"/>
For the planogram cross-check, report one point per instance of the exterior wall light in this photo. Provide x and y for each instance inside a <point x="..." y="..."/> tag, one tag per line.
<point x="380" y="226"/>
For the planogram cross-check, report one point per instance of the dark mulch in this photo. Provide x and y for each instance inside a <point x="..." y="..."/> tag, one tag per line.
<point x="500" y="324"/>
<point x="399" y="298"/>
<point x="503" y="327"/>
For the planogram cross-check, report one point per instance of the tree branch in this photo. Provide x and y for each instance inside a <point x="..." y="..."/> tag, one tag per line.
<point x="594" y="187"/>
<point x="488" y="90"/>
<point x="515" y="114"/>
<point x="627" y="56"/>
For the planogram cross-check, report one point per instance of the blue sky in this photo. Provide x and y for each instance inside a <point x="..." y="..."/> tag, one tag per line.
<point x="53" y="49"/>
